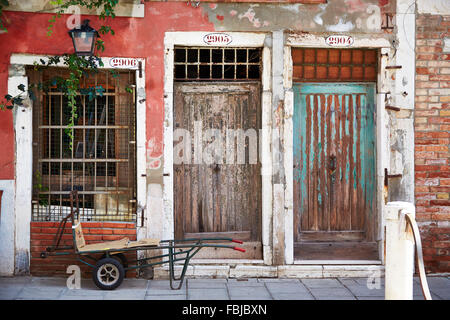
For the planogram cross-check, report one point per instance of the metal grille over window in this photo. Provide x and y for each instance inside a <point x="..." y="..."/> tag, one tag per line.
<point x="314" y="64"/>
<point x="217" y="64"/>
<point x="101" y="162"/>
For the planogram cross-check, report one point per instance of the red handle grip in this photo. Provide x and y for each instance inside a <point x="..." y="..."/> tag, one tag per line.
<point x="237" y="241"/>
<point x="239" y="249"/>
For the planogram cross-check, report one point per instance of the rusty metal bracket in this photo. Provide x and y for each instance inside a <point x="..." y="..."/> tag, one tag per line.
<point x="388" y="17"/>
<point x="393" y="67"/>
<point x="140" y="69"/>
<point x="389" y="176"/>
<point x="392" y="108"/>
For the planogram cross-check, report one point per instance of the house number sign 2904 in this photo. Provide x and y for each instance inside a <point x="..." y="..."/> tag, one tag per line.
<point x="339" y="41"/>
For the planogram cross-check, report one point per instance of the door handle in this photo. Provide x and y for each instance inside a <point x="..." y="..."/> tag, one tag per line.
<point x="332" y="164"/>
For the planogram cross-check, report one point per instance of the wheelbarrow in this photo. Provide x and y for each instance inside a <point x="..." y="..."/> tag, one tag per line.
<point x="109" y="270"/>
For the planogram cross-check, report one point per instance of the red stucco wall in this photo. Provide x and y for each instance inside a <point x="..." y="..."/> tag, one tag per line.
<point x="134" y="37"/>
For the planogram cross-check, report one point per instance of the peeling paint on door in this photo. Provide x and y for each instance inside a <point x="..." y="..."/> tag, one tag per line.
<point x="334" y="159"/>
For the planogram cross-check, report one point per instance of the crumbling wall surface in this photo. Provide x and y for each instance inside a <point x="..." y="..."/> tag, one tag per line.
<point x="432" y="134"/>
<point x="362" y="16"/>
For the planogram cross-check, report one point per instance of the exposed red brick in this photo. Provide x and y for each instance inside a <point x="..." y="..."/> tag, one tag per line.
<point x="432" y="132"/>
<point x="43" y="234"/>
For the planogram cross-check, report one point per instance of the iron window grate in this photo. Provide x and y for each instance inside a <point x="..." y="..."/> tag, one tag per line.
<point x="217" y="64"/>
<point x="101" y="164"/>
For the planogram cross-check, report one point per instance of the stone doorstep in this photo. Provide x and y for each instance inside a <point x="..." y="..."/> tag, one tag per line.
<point x="285" y="271"/>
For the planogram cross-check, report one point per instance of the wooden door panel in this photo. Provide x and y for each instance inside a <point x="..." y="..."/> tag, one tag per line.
<point x="334" y="161"/>
<point x="217" y="197"/>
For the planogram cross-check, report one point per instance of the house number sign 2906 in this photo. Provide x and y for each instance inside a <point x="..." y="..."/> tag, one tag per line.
<point x="339" y="41"/>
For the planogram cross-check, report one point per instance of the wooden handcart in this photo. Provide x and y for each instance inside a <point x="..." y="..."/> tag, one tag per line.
<point x="109" y="270"/>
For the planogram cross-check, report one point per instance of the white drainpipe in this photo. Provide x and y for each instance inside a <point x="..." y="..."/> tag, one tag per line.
<point x="399" y="267"/>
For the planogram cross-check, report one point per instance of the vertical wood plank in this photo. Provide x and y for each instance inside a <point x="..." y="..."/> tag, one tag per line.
<point x="351" y="178"/>
<point x="339" y="157"/>
<point x="316" y="164"/>
<point x="334" y="129"/>
<point x="322" y="166"/>
<point x="359" y="208"/>
<point x="326" y="163"/>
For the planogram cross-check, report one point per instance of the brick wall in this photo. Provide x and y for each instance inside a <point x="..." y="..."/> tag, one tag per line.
<point x="432" y="139"/>
<point x="43" y="234"/>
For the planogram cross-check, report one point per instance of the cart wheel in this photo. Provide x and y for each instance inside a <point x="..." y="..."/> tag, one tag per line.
<point x="108" y="274"/>
<point x="119" y="257"/>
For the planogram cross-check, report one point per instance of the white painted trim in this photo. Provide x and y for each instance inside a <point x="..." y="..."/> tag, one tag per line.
<point x="168" y="211"/>
<point x="141" y="154"/>
<point x="318" y="41"/>
<point x="439" y="7"/>
<point x="285" y="271"/>
<point x="240" y="39"/>
<point x="382" y="131"/>
<point x="195" y="38"/>
<point x="7" y="224"/>
<point x="226" y="261"/>
<point x="266" y="155"/>
<point x="23" y="127"/>
<point x="30" y="59"/>
<point x="288" y="156"/>
<point x="338" y="262"/>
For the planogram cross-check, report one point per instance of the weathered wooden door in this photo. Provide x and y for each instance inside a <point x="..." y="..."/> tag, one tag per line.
<point x="334" y="168"/>
<point x="217" y="183"/>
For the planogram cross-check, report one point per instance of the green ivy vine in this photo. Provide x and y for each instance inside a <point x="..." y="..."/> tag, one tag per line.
<point x="78" y="66"/>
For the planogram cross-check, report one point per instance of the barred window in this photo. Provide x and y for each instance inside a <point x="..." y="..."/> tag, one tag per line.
<point x="217" y="64"/>
<point x="101" y="162"/>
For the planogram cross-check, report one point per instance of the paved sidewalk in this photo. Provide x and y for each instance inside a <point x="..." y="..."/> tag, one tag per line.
<point x="44" y="288"/>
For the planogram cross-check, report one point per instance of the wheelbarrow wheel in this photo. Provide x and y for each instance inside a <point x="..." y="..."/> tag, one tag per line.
<point x="119" y="257"/>
<point x="108" y="274"/>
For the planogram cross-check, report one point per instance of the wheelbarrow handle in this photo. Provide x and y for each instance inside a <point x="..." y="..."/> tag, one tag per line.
<point x="237" y="241"/>
<point x="239" y="249"/>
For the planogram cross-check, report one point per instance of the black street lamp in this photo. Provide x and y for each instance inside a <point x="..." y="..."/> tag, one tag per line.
<point x="84" y="39"/>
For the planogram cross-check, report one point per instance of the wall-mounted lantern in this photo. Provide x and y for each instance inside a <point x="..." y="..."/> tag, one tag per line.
<point x="84" y="39"/>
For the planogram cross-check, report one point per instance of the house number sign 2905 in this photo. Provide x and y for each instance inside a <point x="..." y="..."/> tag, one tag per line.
<point x="217" y="39"/>
<point x="339" y="41"/>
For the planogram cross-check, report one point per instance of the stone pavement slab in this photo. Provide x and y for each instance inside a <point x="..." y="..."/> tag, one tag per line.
<point x="321" y="283"/>
<point x="53" y="288"/>
<point x="208" y="294"/>
<point x="291" y="296"/>
<point x="207" y="283"/>
<point x="294" y="288"/>
<point x="249" y="293"/>
<point x="39" y="293"/>
<point x="360" y="291"/>
<point x="167" y="297"/>
<point x="252" y="282"/>
<point x="328" y="293"/>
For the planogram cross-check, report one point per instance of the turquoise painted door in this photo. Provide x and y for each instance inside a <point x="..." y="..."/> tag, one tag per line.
<point x="334" y="161"/>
